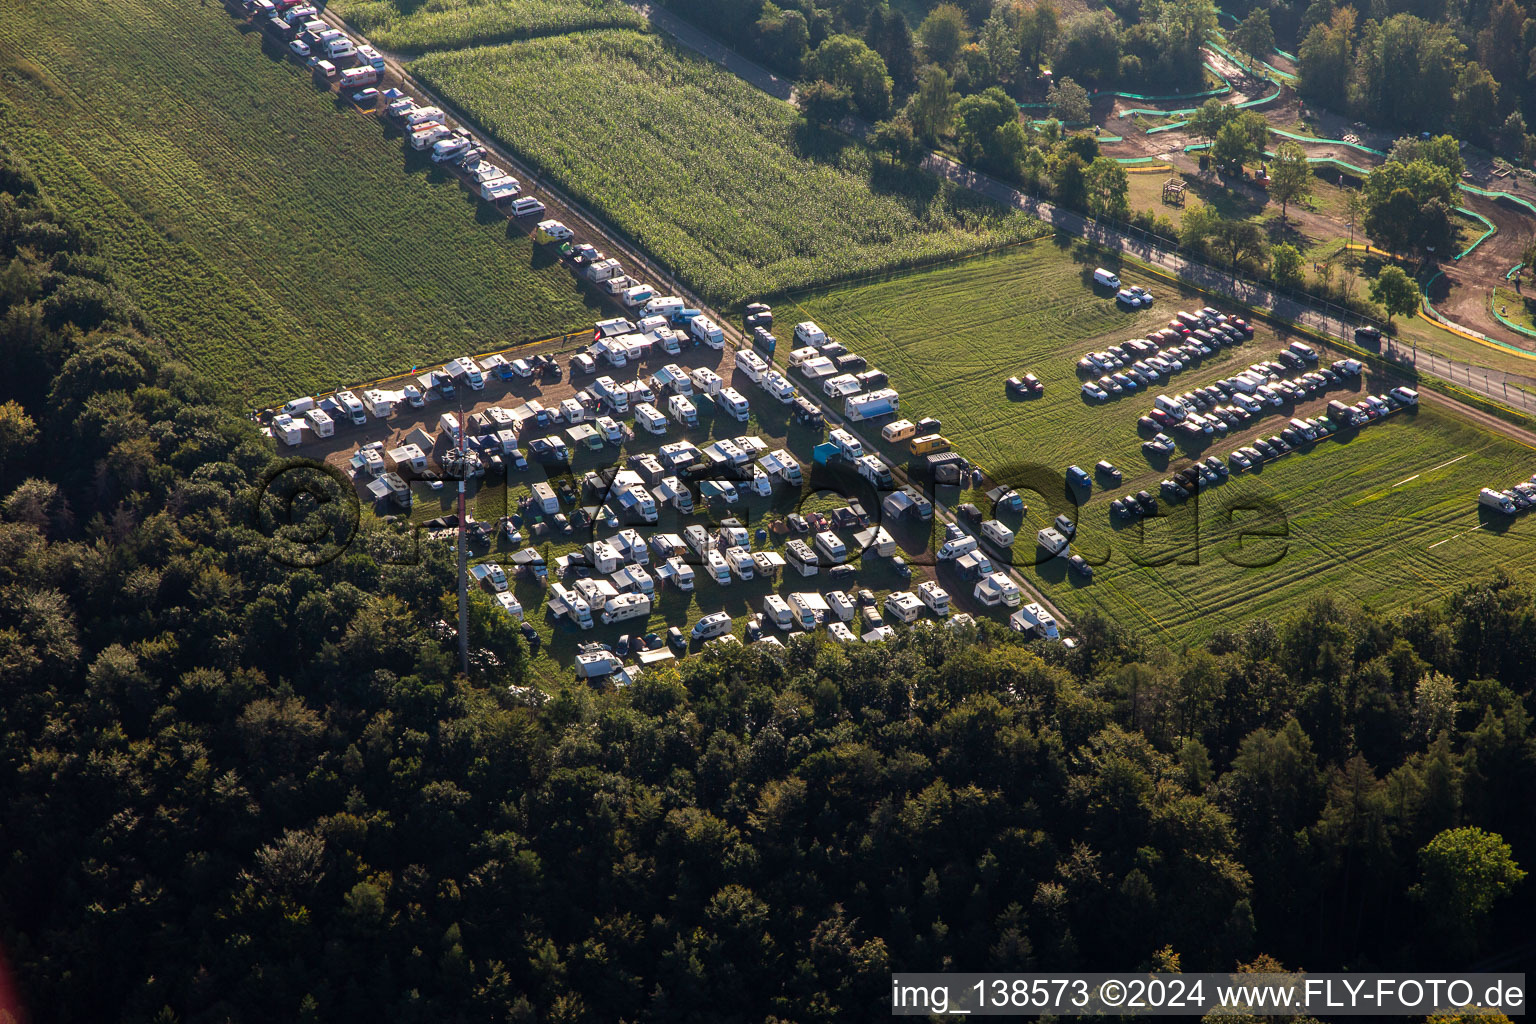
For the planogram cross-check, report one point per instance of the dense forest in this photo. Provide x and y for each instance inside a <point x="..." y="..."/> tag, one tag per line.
<point x="235" y="790"/>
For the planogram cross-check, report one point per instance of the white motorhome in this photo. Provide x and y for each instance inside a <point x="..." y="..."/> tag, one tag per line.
<point x="799" y="557"/>
<point x="1053" y="541"/>
<point x="740" y="562"/>
<point x="903" y="606"/>
<point x="320" y="422"/>
<point x="846" y="443"/>
<point x="751" y="364"/>
<point x="649" y="419"/>
<point x="626" y="606"/>
<point x="1033" y="618"/>
<point x="830" y="547"/>
<point x="717" y="567"/>
<point x="997" y="589"/>
<point x="567" y="604"/>
<point x="712" y="625"/>
<point x="682" y="411"/>
<point x="706" y="381"/>
<point x="840" y="606"/>
<point x="778" y="612"/>
<point x="706" y="330"/>
<point x="807" y="333"/>
<point x="730" y="401"/>
<point x="934" y="596"/>
<point x="952" y="549"/>
<point x="809" y="608"/>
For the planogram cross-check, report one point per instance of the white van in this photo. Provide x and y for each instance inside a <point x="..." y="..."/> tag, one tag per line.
<point x="1172" y="406"/>
<point x="683" y="411"/>
<point x="299" y="405"/>
<point x="831" y="547"/>
<point x="706" y="330"/>
<point x="952" y="549"/>
<point x="1106" y="278"/>
<point x="751" y="364"/>
<point x="1247" y="403"/>
<point x="663" y="305"/>
<point x="712" y="625"/>
<point x="997" y="533"/>
<point x="778" y="613"/>
<point x="706" y="381"/>
<point x="649" y="419"/>
<point x="731" y="402"/>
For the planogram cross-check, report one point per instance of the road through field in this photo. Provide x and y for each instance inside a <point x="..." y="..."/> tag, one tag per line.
<point x="1494" y="385"/>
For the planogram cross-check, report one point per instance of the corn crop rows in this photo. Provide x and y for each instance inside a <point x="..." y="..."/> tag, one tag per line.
<point x="718" y="181"/>
<point x="274" y="236"/>
<point x="454" y="24"/>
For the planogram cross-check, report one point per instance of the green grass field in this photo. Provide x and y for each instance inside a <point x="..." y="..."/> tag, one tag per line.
<point x="1386" y="516"/>
<point x="714" y="178"/>
<point x="277" y="240"/>
<point x="407" y="26"/>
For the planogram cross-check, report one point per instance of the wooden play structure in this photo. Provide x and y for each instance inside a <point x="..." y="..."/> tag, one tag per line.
<point x="1173" y="191"/>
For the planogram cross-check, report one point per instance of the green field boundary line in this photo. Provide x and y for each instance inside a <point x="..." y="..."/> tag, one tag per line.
<point x="1128" y="160"/>
<point x="1433" y="315"/>
<point x="1496" y="195"/>
<point x="1105" y="139"/>
<point x="1493" y="297"/>
<point x="1319" y="139"/>
<point x="1261" y="100"/>
<point x="1492" y="229"/>
<point x="1510" y="276"/>
<point x="1167" y="127"/>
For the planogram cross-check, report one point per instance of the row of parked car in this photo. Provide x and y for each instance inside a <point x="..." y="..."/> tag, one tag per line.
<point x="1518" y="498"/>
<point x="1141" y="362"/>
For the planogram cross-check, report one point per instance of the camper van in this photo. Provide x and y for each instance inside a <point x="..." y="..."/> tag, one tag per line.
<point x="712" y="625"/>
<point x="777" y="611"/>
<point x="777" y="385"/>
<point x="809" y="610"/>
<point x="648" y="419"/>
<point x="707" y="331"/>
<point x="718" y="568"/>
<point x="544" y="498"/>
<point x="997" y="589"/>
<point x="626" y="606"/>
<point x="683" y="411"/>
<point x="901" y="430"/>
<point x="903" y="606"/>
<point x="731" y="402"/>
<point x="567" y="604"/>
<point x="934" y="596"/>
<point x="751" y="364"/>
<point x="847" y="445"/>
<point x="320" y="422"/>
<point x="831" y="548"/>
<point x="928" y="444"/>
<point x="840" y="606"/>
<point x="955" y="547"/>
<point x="799" y="557"/>
<point x="1033" y="618"/>
<point x="807" y="333"/>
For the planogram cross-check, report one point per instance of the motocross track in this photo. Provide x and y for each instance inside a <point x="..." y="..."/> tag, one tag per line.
<point x="1461" y="292"/>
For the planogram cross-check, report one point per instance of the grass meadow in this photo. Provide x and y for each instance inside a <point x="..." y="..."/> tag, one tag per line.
<point x="276" y="238"/>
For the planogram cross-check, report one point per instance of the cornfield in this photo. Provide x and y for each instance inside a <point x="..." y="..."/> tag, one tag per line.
<point x="275" y="237"/>
<point x="453" y="24"/>
<point x="718" y="181"/>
